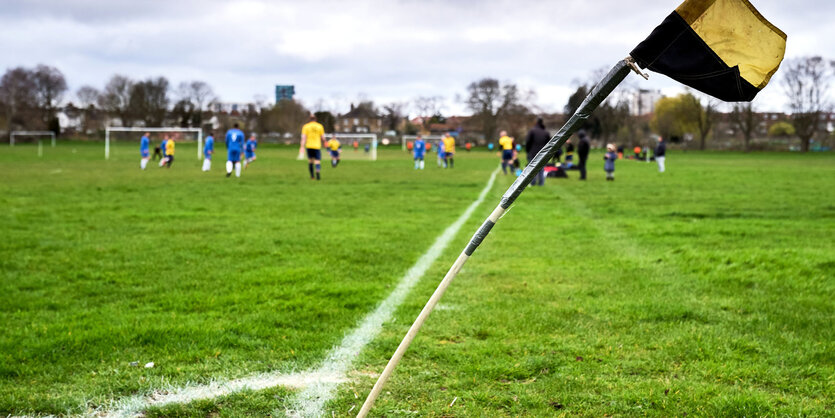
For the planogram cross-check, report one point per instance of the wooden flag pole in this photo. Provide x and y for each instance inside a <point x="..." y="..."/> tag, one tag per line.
<point x="597" y="95"/>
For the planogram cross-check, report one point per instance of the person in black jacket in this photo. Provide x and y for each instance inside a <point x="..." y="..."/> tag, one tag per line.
<point x="583" y="153"/>
<point x="660" y="151"/>
<point x="536" y="140"/>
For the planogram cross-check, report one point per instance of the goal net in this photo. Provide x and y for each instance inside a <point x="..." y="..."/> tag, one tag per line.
<point x="31" y="137"/>
<point x="354" y="147"/>
<point x="121" y="141"/>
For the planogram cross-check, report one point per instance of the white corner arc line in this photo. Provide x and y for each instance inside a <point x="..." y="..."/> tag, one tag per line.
<point x="311" y="401"/>
<point x="319" y="384"/>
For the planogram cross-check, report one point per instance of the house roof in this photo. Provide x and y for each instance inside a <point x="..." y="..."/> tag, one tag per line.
<point x="361" y="112"/>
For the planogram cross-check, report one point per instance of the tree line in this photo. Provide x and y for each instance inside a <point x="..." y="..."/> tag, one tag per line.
<point x="31" y="97"/>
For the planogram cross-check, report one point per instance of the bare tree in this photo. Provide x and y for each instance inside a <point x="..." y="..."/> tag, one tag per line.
<point x="702" y="115"/>
<point x="50" y="86"/>
<point x="149" y="100"/>
<point x="745" y="120"/>
<point x="201" y="94"/>
<point x="427" y="107"/>
<point x="116" y="98"/>
<point x="17" y="95"/>
<point x="489" y="100"/>
<point x="806" y="82"/>
<point x="87" y="97"/>
<point x="392" y="115"/>
<point x="184" y="112"/>
<point x="517" y="120"/>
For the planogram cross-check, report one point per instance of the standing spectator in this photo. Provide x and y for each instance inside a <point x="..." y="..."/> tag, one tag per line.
<point x="583" y="153"/>
<point x="609" y="165"/>
<point x="537" y="139"/>
<point x="660" y="151"/>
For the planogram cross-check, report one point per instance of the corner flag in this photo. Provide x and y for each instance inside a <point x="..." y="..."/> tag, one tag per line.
<point x="724" y="48"/>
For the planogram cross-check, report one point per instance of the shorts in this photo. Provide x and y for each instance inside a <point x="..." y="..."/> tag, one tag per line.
<point x="335" y="154"/>
<point x="419" y="156"/>
<point x="249" y="155"/>
<point x="315" y="154"/>
<point x="234" y="155"/>
<point x="145" y="153"/>
<point x="449" y="154"/>
<point x="170" y="158"/>
<point x="507" y="154"/>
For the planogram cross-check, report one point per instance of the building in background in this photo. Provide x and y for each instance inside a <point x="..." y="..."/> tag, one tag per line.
<point x="643" y="102"/>
<point x="360" y="119"/>
<point x="284" y="93"/>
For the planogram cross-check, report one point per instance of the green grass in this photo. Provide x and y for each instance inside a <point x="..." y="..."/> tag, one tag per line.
<point x="706" y="290"/>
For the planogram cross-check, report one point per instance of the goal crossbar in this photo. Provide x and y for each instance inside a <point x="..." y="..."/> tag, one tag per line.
<point x="372" y="137"/>
<point x="110" y="129"/>
<point x="31" y="133"/>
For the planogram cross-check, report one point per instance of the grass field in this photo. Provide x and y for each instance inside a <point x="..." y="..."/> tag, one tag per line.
<point x="707" y="290"/>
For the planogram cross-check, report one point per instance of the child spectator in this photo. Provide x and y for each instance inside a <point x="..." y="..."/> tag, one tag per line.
<point x="609" y="165"/>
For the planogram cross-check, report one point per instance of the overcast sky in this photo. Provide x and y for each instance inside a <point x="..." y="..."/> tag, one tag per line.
<point x="338" y="51"/>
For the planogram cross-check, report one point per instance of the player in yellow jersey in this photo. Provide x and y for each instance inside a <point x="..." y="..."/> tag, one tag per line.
<point x="334" y="146"/>
<point x="506" y="145"/>
<point x="449" y="150"/>
<point x="169" y="152"/>
<point x="312" y="134"/>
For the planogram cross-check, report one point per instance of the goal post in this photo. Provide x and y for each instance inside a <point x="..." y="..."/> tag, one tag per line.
<point x="39" y="134"/>
<point x="110" y="129"/>
<point x="347" y="140"/>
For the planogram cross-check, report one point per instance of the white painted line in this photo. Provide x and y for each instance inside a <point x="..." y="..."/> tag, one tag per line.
<point x="133" y="406"/>
<point x="318" y="385"/>
<point x="311" y="401"/>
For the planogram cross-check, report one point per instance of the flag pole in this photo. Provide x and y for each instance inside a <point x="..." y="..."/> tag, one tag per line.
<point x="595" y="97"/>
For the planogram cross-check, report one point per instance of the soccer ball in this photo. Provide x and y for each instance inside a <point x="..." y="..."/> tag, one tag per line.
<point x="386" y="141"/>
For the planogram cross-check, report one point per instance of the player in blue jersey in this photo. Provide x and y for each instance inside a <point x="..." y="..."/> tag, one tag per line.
<point x="419" y="151"/>
<point x="249" y="150"/>
<point x="234" y="147"/>
<point x="439" y="148"/>
<point x="145" y="150"/>
<point x="208" y="150"/>
<point x="164" y="158"/>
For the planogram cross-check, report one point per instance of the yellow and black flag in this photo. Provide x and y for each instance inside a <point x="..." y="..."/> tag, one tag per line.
<point x="724" y="48"/>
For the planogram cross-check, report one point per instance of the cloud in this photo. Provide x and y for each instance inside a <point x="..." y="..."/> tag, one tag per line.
<point x="388" y="50"/>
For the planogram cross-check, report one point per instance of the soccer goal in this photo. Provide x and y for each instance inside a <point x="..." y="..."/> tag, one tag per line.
<point x="430" y="139"/>
<point x="117" y="134"/>
<point x="15" y="136"/>
<point x="354" y="147"/>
